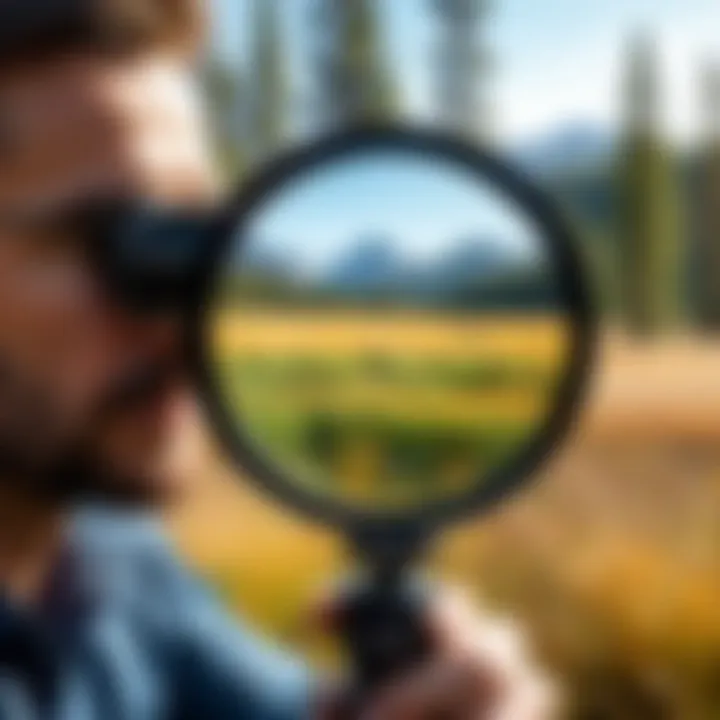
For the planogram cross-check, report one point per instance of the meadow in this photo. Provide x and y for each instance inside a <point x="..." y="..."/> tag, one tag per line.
<point x="388" y="407"/>
<point x="610" y="560"/>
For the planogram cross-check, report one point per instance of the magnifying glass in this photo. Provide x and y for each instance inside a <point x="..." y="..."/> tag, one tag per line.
<point x="391" y="331"/>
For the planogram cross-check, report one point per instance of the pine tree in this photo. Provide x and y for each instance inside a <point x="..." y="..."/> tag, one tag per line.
<point x="708" y="209"/>
<point x="224" y="91"/>
<point x="462" y="65"/>
<point x="269" y="113"/>
<point x="353" y="82"/>
<point x="649" y="201"/>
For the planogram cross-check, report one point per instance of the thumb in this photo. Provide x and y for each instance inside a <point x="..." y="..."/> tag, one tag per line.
<point x="327" y="611"/>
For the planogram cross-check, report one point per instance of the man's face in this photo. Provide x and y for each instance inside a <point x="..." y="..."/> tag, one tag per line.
<point x="87" y="389"/>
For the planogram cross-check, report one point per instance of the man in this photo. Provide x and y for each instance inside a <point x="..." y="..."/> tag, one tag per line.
<point x="97" y="620"/>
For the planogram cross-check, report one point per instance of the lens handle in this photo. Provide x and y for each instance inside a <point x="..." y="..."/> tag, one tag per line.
<point x="383" y="627"/>
<point x="383" y="613"/>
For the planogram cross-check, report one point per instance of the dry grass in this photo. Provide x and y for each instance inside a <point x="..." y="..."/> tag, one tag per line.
<point x="540" y="338"/>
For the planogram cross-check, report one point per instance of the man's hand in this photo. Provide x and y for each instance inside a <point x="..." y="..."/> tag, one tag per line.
<point x="479" y="670"/>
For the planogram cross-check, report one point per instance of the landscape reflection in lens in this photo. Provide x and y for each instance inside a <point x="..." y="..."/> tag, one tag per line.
<point x="388" y="331"/>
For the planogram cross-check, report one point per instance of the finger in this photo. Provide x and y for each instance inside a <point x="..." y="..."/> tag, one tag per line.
<point x="536" y="698"/>
<point x="459" y="628"/>
<point x="333" y="701"/>
<point x="326" y="612"/>
<point x="448" y="689"/>
<point x="499" y="649"/>
<point x="449" y="616"/>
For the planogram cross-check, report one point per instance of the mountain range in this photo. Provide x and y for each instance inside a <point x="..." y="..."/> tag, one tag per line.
<point x="373" y="264"/>
<point x="577" y="145"/>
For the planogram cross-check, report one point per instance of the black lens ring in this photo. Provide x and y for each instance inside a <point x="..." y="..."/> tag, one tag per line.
<point x="574" y="291"/>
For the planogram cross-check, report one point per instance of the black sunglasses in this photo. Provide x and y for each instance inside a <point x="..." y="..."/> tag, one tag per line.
<point x="149" y="255"/>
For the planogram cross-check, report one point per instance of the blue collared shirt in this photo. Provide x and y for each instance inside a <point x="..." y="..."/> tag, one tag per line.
<point x="129" y="634"/>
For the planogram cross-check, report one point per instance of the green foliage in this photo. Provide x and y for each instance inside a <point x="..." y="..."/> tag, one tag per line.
<point x="411" y="450"/>
<point x="283" y="373"/>
<point x="649" y="209"/>
<point x="462" y="62"/>
<point x="707" y="206"/>
<point x="355" y="81"/>
<point x="269" y="96"/>
<point x="649" y="227"/>
<point x="325" y="413"/>
<point x="526" y="290"/>
<point x="365" y="62"/>
<point x="224" y="92"/>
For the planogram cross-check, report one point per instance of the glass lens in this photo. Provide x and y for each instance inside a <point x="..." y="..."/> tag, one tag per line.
<point x="388" y="330"/>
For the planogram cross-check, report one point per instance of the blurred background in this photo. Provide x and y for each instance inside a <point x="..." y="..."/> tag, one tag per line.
<point x="611" y="562"/>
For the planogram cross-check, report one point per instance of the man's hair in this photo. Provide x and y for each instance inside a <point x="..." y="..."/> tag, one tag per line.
<point x="35" y="30"/>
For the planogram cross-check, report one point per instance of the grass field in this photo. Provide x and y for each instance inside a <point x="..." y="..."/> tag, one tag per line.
<point x="388" y="407"/>
<point x="337" y="334"/>
<point x="611" y="559"/>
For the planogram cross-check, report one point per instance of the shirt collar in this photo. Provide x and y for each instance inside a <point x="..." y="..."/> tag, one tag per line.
<point x="70" y="594"/>
<point x="93" y="571"/>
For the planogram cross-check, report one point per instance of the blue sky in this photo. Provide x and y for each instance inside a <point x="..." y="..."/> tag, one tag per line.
<point x="408" y="200"/>
<point x="557" y="61"/>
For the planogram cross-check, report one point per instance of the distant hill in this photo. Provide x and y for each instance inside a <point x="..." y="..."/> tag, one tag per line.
<point x="572" y="147"/>
<point x="473" y="257"/>
<point x="371" y="264"/>
<point x="374" y="264"/>
<point x="575" y="164"/>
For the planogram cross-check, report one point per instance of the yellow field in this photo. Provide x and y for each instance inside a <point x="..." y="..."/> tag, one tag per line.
<point x="541" y="338"/>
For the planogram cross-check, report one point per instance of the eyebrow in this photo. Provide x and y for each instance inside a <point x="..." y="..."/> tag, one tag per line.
<point x="84" y="215"/>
